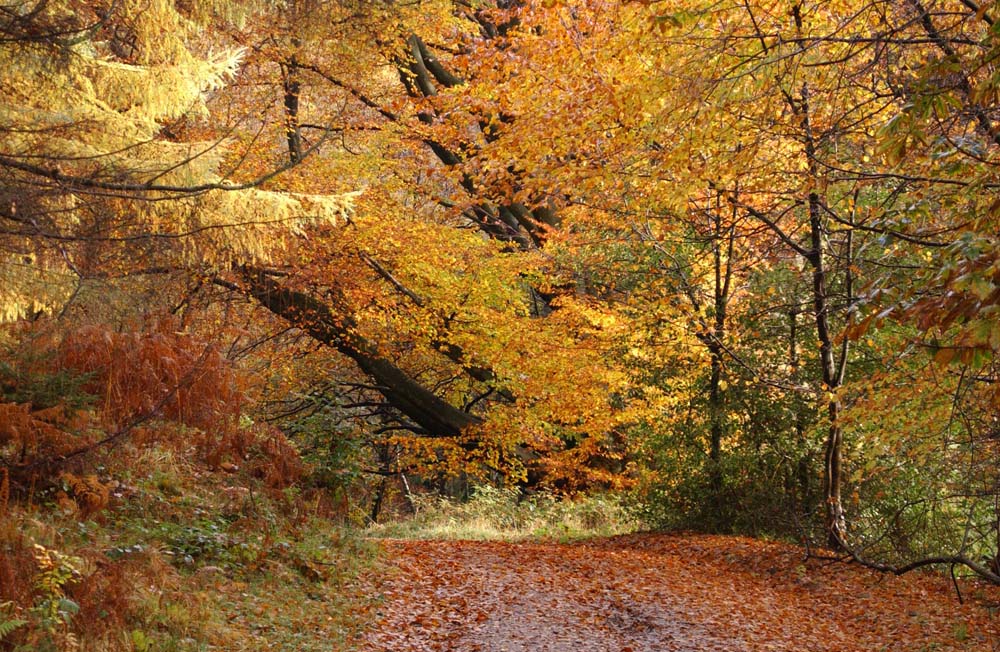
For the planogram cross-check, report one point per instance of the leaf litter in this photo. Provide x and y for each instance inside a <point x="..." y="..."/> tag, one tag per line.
<point x="663" y="593"/>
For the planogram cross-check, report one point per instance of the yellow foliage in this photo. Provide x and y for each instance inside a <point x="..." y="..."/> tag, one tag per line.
<point x="90" y="160"/>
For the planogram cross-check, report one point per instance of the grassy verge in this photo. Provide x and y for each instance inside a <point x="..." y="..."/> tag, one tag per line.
<point x="503" y="514"/>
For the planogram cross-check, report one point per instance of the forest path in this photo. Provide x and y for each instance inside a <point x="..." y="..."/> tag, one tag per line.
<point x="646" y="593"/>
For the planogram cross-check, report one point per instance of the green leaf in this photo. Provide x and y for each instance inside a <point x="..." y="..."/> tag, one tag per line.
<point x="7" y="627"/>
<point x="69" y="607"/>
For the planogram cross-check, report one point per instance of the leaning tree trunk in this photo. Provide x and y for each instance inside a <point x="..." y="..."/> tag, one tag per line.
<point x="425" y="408"/>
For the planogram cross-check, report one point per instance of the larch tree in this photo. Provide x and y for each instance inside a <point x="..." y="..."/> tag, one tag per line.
<point x="96" y="181"/>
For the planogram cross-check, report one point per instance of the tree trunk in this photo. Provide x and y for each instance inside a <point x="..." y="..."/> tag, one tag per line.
<point x="802" y="466"/>
<point x="432" y="413"/>
<point x="422" y="73"/>
<point x="717" y="415"/>
<point x="291" y="86"/>
<point x="835" y="522"/>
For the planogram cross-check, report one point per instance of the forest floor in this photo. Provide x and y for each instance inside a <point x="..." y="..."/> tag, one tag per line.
<point x="666" y="593"/>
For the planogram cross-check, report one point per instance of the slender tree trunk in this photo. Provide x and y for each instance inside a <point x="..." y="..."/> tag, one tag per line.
<point x="995" y="562"/>
<point x="716" y="407"/>
<point x="292" y="87"/>
<point x="723" y="237"/>
<point x="377" y="501"/>
<point x="798" y="423"/>
<point x="716" y="416"/>
<point x="835" y="521"/>
<point x="716" y="478"/>
<point x="385" y="466"/>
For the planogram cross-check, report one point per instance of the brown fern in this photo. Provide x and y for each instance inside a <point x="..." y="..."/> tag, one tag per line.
<point x="132" y="372"/>
<point x="27" y="436"/>
<point x="89" y="494"/>
<point x="169" y="383"/>
<point x="4" y="492"/>
<point x="276" y="461"/>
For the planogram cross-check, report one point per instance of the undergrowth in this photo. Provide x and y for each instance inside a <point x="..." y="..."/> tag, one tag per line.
<point x="181" y="559"/>
<point x="505" y="514"/>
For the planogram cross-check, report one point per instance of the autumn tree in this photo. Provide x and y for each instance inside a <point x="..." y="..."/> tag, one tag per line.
<point x="814" y="100"/>
<point x="795" y="117"/>
<point x="112" y="188"/>
<point x="437" y="309"/>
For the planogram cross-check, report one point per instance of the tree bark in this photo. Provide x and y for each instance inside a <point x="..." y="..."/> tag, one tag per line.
<point x="722" y="264"/>
<point x="291" y="86"/>
<point x="421" y="73"/>
<point x="835" y="522"/>
<point x="339" y="330"/>
<point x="802" y="466"/>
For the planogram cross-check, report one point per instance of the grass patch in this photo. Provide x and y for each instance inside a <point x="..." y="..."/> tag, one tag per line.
<point x="505" y="515"/>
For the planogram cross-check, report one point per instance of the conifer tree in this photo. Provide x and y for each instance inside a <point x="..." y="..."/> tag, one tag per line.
<point x="95" y="174"/>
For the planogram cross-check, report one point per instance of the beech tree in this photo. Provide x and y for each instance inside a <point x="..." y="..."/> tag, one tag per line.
<point x="427" y="296"/>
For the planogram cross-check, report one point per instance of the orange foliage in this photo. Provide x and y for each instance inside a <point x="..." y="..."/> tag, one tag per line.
<point x="276" y="461"/>
<point x="89" y="494"/>
<point x="42" y="434"/>
<point x="17" y="568"/>
<point x="4" y="492"/>
<point x="268" y="454"/>
<point x="135" y="376"/>
<point x="163" y="371"/>
<point x="108" y="598"/>
<point x="656" y="592"/>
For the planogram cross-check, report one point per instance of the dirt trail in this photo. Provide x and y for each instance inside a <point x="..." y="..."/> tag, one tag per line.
<point x="662" y="594"/>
